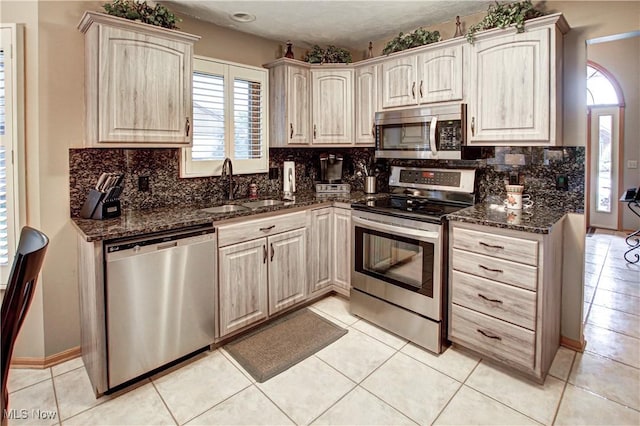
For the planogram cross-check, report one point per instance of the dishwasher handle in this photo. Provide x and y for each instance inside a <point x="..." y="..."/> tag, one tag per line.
<point x="153" y="243"/>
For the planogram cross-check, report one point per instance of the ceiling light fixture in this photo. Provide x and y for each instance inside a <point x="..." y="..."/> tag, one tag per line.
<point x="242" y="17"/>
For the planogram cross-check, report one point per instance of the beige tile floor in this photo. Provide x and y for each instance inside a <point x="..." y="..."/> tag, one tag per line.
<point x="372" y="377"/>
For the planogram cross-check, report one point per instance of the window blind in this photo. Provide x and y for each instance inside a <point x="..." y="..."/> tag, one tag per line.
<point x="208" y="117"/>
<point x="4" y="218"/>
<point x="247" y="108"/>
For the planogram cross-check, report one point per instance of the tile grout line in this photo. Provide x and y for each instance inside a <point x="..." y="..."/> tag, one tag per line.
<point x="164" y="402"/>
<point x="273" y="402"/>
<point x="447" y="404"/>
<point x="55" y="396"/>
<point x="564" y="388"/>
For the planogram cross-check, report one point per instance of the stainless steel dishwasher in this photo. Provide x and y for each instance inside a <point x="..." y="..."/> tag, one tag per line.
<point x="160" y="294"/>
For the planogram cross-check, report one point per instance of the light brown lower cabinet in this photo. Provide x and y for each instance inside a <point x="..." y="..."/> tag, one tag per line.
<point x="505" y="294"/>
<point x="262" y="276"/>
<point x="330" y="250"/>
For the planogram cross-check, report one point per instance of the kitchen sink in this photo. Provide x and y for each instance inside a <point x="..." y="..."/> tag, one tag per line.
<point x="262" y="203"/>
<point x="225" y="208"/>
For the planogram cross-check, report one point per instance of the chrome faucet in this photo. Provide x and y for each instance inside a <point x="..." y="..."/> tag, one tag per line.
<point x="227" y="161"/>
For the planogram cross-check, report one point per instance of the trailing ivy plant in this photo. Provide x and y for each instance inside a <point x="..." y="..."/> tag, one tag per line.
<point x="330" y="55"/>
<point x="419" y="37"/>
<point x="134" y="10"/>
<point x="504" y="15"/>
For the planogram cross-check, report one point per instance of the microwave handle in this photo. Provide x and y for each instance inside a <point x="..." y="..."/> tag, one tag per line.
<point x="432" y="136"/>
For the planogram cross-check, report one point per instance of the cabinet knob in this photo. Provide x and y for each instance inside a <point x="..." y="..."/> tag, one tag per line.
<point x="187" y="126"/>
<point x="413" y="90"/>
<point x="473" y="126"/>
<point x="291" y="131"/>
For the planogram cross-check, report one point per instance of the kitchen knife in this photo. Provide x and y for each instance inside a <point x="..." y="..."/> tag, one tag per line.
<point x="101" y="181"/>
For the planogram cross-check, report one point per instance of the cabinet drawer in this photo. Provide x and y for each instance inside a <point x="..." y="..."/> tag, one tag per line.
<point x="257" y="228"/>
<point x="505" y="302"/>
<point x="517" y="274"/>
<point x="503" y="247"/>
<point x="498" y="339"/>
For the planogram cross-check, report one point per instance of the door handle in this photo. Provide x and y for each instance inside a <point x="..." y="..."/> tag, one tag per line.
<point x="314" y="131"/>
<point x="473" y="126"/>
<point x="373" y="129"/>
<point x="491" y="270"/>
<point x="490" y="246"/>
<point x="167" y="245"/>
<point x="490" y="336"/>
<point x="272" y="253"/>
<point x="482" y="296"/>
<point x="264" y="254"/>
<point x="413" y="90"/>
<point x="421" y="88"/>
<point x="187" y="126"/>
<point x="291" y="131"/>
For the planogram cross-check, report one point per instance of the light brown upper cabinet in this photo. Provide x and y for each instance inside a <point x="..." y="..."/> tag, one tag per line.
<point x="515" y="85"/>
<point x="290" y="112"/>
<point x="366" y="104"/>
<point x="138" y="83"/>
<point x="434" y="75"/>
<point x="332" y="99"/>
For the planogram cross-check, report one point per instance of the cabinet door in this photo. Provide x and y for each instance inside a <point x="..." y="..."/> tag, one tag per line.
<point x="440" y="75"/>
<point x="242" y="284"/>
<point x="321" y="247"/>
<point x="144" y="88"/>
<point x="342" y="249"/>
<point x="298" y="112"/>
<point x="287" y="270"/>
<point x="366" y="104"/>
<point x="332" y="106"/>
<point x="509" y="88"/>
<point x="399" y="82"/>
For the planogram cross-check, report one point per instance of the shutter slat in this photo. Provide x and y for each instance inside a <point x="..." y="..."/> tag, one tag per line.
<point x="208" y="117"/>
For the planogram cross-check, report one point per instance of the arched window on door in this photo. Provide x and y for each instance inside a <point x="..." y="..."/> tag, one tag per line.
<point x="600" y="90"/>
<point x="605" y="103"/>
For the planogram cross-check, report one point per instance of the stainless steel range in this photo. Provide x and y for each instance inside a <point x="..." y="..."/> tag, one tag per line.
<point x="399" y="258"/>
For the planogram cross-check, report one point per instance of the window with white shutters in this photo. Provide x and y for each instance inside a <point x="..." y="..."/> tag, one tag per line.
<point x="10" y="144"/>
<point x="229" y="119"/>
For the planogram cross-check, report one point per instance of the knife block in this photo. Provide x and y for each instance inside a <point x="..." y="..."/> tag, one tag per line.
<point x="97" y="206"/>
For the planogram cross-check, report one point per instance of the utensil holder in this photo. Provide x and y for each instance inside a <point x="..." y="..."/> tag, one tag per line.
<point x="370" y="184"/>
<point x="101" y="205"/>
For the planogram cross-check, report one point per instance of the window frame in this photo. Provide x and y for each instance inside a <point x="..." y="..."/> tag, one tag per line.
<point x="13" y="35"/>
<point x="230" y="71"/>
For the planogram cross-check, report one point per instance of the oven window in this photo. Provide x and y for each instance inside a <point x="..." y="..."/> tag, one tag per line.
<point x="409" y="137"/>
<point x="399" y="261"/>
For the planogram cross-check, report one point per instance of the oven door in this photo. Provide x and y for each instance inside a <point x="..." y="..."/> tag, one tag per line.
<point x="399" y="261"/>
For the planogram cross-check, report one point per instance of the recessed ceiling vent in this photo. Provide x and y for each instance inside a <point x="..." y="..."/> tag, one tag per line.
<point x="242" y="17"/>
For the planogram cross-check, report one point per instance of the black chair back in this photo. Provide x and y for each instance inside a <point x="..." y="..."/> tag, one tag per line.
<point x="17" y="298"/>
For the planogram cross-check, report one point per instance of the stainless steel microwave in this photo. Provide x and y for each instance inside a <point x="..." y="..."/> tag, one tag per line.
<point x="437" y="132"/>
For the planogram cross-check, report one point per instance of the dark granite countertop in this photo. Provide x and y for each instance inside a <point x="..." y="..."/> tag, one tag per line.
<point x="536" y="219"/>
<point x="138" y="222"/>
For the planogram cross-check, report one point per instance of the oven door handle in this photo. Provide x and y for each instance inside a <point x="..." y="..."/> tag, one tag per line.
<point x="432" y="136"/>
<point x="417" y="234"/>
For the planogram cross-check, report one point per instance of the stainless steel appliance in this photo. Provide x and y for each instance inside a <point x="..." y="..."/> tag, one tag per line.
<point x="330" y="168"/>
<point x="399" y="259"/>
<point x="437" y="132"/>
<point x="160" y="297"/>
<point x="331" y="175"/>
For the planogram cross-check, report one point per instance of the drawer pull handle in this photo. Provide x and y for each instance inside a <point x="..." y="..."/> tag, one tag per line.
<point x="264" y="254"/>
<point x="268" y="228"/>
<point x="490" y="336"/>
<point x="491" y="270"/>
<point x="482" y="296"/>
<point x="491" y="246"/>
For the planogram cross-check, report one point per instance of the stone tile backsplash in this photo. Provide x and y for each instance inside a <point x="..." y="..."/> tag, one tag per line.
<point x="539" y="168"/>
